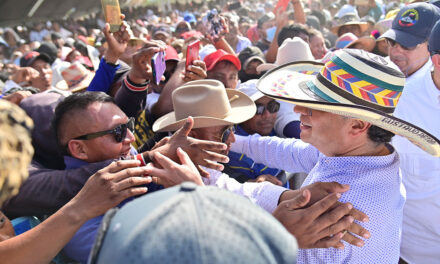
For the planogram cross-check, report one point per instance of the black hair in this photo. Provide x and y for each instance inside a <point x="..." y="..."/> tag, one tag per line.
<point x="71" y="104"/>
<point x="291" y="31"/>
<point x="379" y="135"/>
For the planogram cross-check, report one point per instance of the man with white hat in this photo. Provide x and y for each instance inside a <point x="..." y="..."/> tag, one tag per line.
<point x="218" y="109"/>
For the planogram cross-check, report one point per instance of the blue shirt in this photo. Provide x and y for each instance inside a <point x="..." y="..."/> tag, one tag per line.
<point x="375" y="188"/>
<point x="81" y="244"/>
<point x="103" y="78"/>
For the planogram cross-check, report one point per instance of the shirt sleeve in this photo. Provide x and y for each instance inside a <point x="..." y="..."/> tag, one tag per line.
<point x="289" y="154"/>
<point x="264" y="194"/>
<point x="103" y="78"/>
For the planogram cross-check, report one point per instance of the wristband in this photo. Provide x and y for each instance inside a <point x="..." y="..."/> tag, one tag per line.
<point x="140" y="158"/>
<point x="136" y="87"/>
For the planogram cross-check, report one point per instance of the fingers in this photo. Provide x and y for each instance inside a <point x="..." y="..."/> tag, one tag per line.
<point x="131" y="192"/>
<point x="358" y="215"/>
<point x="211" y="146"/>
<point x="359" y="230"/>
<point x="298" y="202"/>
<point x="106" y="31"/>
<point x="334" y="187"/>
<point x="129" y="172"/>
<point x="116" y="166"/>
<point x="202" y="172"/>
<point x="186" y="128"/>
<point x="355" y="241"/>
<point x="164" y="161"/>
<point x="323" y="205"/>
<point x="132" y="182"/>
<point x="211" y="164"/>
<point x="334" y="241"/>
<point x="184" y="158"/>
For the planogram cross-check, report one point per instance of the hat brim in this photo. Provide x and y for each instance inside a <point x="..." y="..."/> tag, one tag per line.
<point x="242" y="109"/>
<point x="300" y="89"/>
<point x="362" y="25"/>
<point x="82" y="86"/>
<point x="403" y="38"/>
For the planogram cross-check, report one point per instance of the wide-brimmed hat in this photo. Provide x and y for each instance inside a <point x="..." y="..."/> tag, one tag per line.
<point x="209" y="103"/>
<point x="349" y="19"/>
<point x="77" y="77"/>
<point x="345" y="39"/>
<point x="366" y="43"/>
<point x="292" y="49"/>
<point x="354" y="83"/>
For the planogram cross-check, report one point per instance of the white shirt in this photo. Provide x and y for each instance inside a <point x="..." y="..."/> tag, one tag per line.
<point x="420" y="105"/>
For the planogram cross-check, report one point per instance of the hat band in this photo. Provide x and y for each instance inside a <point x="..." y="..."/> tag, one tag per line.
<point x="322" y="84"/>
<point x="76" y="81"/>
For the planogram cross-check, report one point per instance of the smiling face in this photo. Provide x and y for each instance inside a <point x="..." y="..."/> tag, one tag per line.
<point x="409" y="60"/>
<point x="328" y="132"/>
<point x="261" y="124"/>
<point x="98" y="117"/>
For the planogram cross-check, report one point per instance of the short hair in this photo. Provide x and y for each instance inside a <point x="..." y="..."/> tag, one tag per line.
<point x="379" y="135"/>
<point x="70" y="105"/>
<point x="291" y="31"/>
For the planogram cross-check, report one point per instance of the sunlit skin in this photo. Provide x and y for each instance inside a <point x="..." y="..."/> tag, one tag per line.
<point x="335" y="135"/>
<point x="44" y="81"/>
<point x="252" y="67"/>
<point x="409" y="61"/>
<point x="6" y="228"/>
<point x="317" y="46"/>
<point x="225" y="72"/>
<point x="261" y="124"/>
<point x="214" y="134"/>
<point x="355" y="29"/>
<point x="98" y="117"/>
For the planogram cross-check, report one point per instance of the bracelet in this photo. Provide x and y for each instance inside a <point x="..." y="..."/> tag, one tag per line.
<point x="136" y="87"/>
<point x="140" y="158"/>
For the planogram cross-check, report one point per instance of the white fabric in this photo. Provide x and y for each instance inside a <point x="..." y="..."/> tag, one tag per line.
<point x="284" y="116"/>
<point x="420" y="105"/>
<point x="152" y="99"/>
<point x="263" y="194"/>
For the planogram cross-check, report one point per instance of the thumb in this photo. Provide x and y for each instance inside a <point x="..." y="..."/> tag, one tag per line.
<point x="106" y="31"/>
<point x="186" y="128"/>
<point x="299" y="201"/>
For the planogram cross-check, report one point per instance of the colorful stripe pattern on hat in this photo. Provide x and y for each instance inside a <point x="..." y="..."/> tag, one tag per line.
<point x="360" y="82"/>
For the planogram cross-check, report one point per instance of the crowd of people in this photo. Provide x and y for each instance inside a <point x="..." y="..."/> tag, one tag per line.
<point x="300" y="131"/>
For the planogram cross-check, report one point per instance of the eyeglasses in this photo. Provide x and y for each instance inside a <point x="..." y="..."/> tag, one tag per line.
<point x="272" y="107"/>
<point x="226" y="133"/>
<point x="393" y="43"/>
<point x="119" y="132"/>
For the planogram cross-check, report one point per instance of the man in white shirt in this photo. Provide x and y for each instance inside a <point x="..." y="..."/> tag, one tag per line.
<point x="408" y="49"/>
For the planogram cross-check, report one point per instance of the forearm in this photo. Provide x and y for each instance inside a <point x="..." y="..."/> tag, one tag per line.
<point x="131" y="96"/>
<point x="104" y="76"/>
<point x="221" y="43"/>
<point x="42" y="243"/>
<point x="271" y="53"/>
<point x="299" y="16"/>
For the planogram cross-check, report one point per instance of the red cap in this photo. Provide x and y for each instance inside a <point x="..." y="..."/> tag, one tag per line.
<point x="171" y="54"/>
<point x="190" y="34"/>
<point x="220" y="55"/>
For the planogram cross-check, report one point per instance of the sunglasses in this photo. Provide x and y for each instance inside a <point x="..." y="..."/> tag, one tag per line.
<point x="271" y="107"/>
<point x="393" y="43"/>
<point x="226" y="133"/>
<point x="119" y="132"/>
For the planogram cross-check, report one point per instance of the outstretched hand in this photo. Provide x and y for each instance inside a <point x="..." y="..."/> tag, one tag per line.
<point x="202" y="152"/>
<point x="117" y="42"/>
<point x="141" y="70"/>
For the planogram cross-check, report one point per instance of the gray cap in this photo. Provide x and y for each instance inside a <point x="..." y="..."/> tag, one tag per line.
<point x="192" y="224"/>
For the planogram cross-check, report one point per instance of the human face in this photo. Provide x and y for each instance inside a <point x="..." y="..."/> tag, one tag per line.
<point x="101" y="117"/>
<point x="6" y="228"/>
<point x="317" y="46"/>
<point x="355" y="29"/>
<point x="408" y="59"/>
<point x="252" y="67"/>
<point x="325" y="131"/>
<point x="261" y="124"/>
<point x="216" y="134"/>
<point x="44" y="80"/>
<point x="225" y="72"/>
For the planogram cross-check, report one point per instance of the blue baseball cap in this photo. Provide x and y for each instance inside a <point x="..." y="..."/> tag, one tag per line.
<point x="413" y="24"/>
<point x="190" y="18"/>
<point x="433" y="42"/>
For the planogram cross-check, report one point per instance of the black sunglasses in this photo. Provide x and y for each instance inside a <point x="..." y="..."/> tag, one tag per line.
<point x="226" y="133"/>
<point x="272" y="107"/>
<point x="392" y="43"/>
<point x="119" y="132"/>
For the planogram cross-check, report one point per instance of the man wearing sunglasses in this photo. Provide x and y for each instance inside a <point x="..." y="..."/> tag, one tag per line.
<point x="408" y="36"/>
<point x="91" y="128"/>
<point x="241" y="167"/>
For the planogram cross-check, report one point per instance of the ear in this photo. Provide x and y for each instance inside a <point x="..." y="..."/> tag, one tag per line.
<point x="77" y="149"/>
<point x="436" y="61"/>
<point x="359" y="127"/>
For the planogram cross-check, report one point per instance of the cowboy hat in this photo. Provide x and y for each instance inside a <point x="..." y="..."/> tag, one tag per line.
<point x="77" y="77"/>
<point x="349" y="19"/>
<point x="366" y="43"/>
<point x="354" y="83"/>
<point x="209" y="103"/>
<point x="292" y="49"/>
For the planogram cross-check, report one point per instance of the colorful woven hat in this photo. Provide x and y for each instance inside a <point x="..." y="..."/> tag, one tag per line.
<point x="353" y="83"/>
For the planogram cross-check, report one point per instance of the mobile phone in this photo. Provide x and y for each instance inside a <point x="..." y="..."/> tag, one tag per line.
<point x="282" y="4"/>
<point x="112" y="13"/>
<point x="213" y="23"/>
<point x="192" y="53"/>
<point x="158" y="66"/>
<point x="234" y="6"/>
